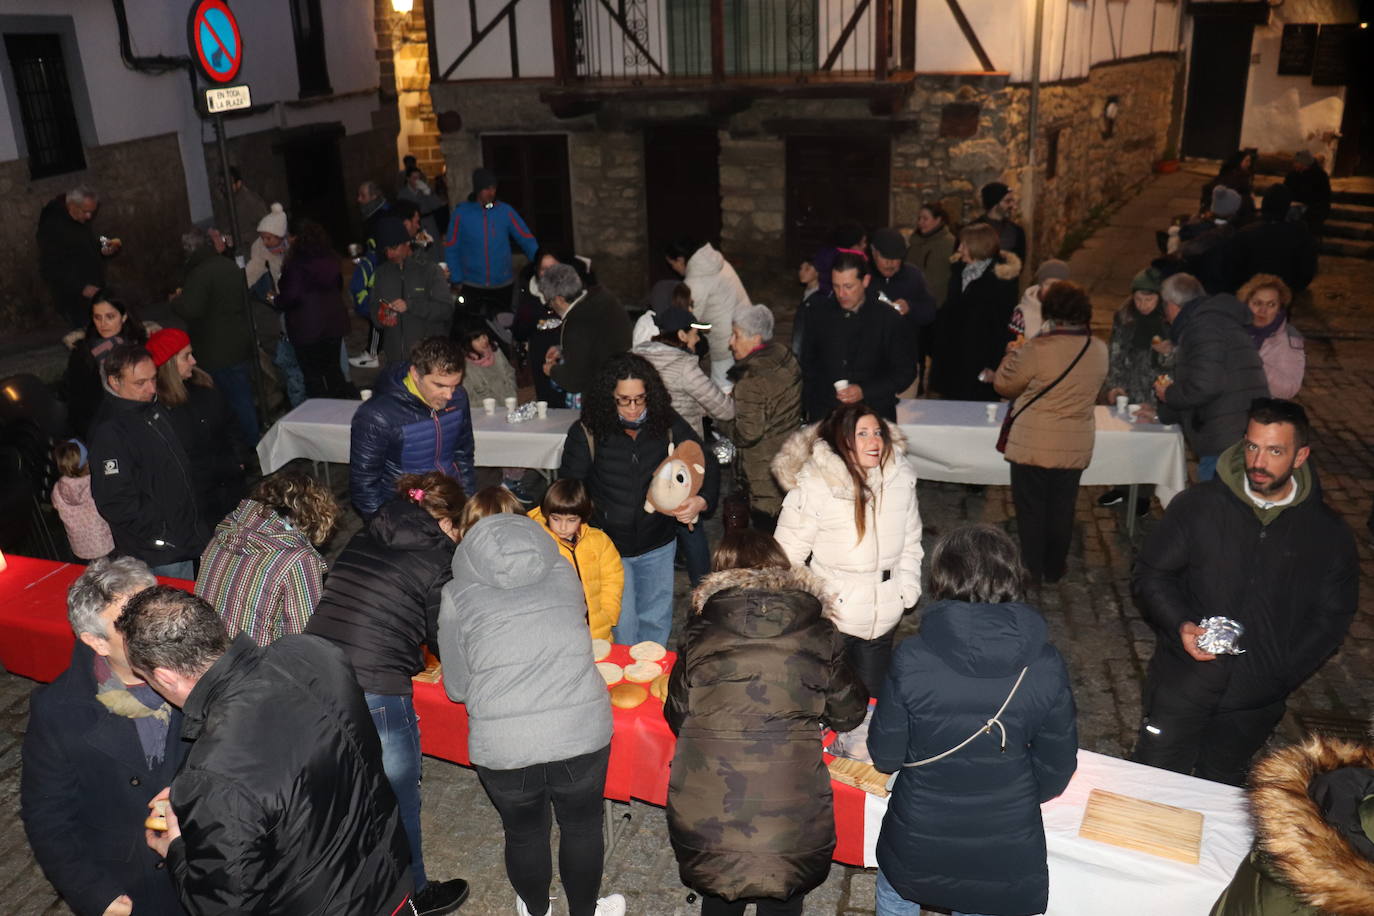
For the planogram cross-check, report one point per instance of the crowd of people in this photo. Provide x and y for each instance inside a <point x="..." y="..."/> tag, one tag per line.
<point x="266" y="714"/>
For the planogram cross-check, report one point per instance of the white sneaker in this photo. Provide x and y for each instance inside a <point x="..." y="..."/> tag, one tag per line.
<point x="611" y="905"/>
<point x="522" y="910"/>
<point x="364" y="360"/>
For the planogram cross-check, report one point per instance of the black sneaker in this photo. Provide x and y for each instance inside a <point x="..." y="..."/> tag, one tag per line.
<point x="1112" y="497"/>
<point x="440" y="897"/>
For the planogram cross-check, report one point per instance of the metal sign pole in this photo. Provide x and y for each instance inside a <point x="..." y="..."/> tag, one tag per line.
<point x="259" y="389"/>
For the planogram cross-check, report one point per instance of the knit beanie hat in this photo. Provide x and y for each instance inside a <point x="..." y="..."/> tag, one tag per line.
<point x="1225" y="202"/>
<point x="168" y="343"/>
<point x="274" y="222"/>
<point x="890" y="244"/>
<point x="483" y="179"/>
<point x="1148" y="281"/>
<point x="1053" y="269"/>
<point x="992" y="194"/>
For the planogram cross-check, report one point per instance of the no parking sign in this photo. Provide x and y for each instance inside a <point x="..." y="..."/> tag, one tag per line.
<point x="216" y="44"/>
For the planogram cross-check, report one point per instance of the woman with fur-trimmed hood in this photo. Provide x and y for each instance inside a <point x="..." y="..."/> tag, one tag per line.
<point x="851" y="507"/>
<point x="1313" y="805"/>
<point x="750" y="812"/>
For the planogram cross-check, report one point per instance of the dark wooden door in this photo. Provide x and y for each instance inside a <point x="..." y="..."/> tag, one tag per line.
<point x="314" y="180"/>
<point x="1355" y="154"/>
<point x="532" y="176"/>
<point x="831" y="179"/>
<point x="1218" y="70"/>
<point x="681" y="188"/>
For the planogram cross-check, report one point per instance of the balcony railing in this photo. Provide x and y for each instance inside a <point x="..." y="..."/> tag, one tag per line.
<point x="636" y="41"/>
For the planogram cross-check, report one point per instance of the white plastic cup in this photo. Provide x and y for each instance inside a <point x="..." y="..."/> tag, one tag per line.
<point x="841" y="384"/>
<point x="541" y="408"/>
<point x="510" y="403"/>
<point x="365" y="393"/>
<point x="1122" y="401"/>
<point x="992" y="412"/>
<point x="1133" y="411"/>
<point x="489" y="405"/>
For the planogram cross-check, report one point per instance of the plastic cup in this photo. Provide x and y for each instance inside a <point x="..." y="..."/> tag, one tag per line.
<point x="541" y="408"/>
<point x="489" y="405"/>
<point x="1133" y="411"/>
<point x="1122" y="401"/>
<point x="841" y="384"/>
<point x="365" y="393"/>
<point x="510" y="403"/>
<point x="992" y="412"/>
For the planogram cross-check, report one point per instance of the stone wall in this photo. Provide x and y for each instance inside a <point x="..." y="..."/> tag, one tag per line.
<point x="408" y="39"/>
<point x="143" y="189"/>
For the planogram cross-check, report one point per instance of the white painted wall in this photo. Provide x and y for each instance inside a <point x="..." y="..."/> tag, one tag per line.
<point x="1288" y="113"/>
<point x="454" y="29"/>
<point x="127" y="105"/>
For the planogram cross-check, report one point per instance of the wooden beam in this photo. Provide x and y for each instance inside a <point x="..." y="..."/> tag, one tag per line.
<point x="478" y="37"/>
<point x="562" y="41"/>
<point x="717" y="41"/>
<point x="514" y="45"/>
<point x="848" y="30"/>
<point x="970" y="36"/>
<point x="881" y="38"/>
<point x="908" y="39"/>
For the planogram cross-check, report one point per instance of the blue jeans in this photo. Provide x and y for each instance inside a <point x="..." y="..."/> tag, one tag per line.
<point x="646" y="607"/>
<point x="1206" y="467"/>
<point x="292" y="379"/>
<point x="399" y="729"/>
<point x="237" y="387"/>
<point x="891" y="903"/>
<point x="696" y="552"/>
<point x="182" y="569"/>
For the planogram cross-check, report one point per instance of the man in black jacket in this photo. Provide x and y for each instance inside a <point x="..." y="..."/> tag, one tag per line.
<point x="282" y="806"/>
<point x="70" y="256"/>
<point x="594" y="327"/>
<point x="99" y="745"/>
<point x="851" y="337"/>
<point x="1257" y="545"/>
<point x="1275" y="245"/>
<point x="141" y="478"/>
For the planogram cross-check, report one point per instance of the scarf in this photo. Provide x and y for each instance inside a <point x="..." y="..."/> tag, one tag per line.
<point x="1145" y="328"/>
<point x="1259" y="335"/>
<point x="636" y="423"/>
<point x="972" y="272"/>
<point x="104" y="345"/>
<point x="485" y="362"/>
<point x="151" y="714"/>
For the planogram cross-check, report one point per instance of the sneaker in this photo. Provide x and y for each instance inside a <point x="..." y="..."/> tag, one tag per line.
<point x="440" y="897"/>
<point x="364" y="360"/>
<point x="1112" y="497"/>
<point x="522" y="910"/>
<point x="611" y="905"/>
<point x="517" y="489"/>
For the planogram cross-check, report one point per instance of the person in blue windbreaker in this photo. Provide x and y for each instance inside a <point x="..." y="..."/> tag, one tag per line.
<point x="477" y="248"/>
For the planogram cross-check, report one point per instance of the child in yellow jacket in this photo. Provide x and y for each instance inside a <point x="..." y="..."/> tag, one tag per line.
<point x="564" y="512"/>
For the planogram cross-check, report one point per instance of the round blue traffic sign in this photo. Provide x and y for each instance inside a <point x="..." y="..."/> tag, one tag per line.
<point x="216" y="43"/>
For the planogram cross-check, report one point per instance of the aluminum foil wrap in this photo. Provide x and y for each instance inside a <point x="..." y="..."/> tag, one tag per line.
<point x="523" y="413"/>
<point x="1221" y="637"/>
<point x="724" y="450"/>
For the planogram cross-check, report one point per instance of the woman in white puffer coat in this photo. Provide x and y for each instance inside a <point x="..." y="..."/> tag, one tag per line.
<point x="851" y="507"/>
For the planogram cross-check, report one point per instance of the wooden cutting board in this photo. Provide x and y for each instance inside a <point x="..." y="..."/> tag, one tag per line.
<point x="860" y="775"/>
<point x="1133" y="823"/>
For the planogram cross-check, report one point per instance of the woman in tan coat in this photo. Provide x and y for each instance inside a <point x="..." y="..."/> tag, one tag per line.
<point x="1053" y="380"/>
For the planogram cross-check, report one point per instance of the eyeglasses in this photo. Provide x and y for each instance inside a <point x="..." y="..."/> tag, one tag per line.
<point x="631" y="401"/>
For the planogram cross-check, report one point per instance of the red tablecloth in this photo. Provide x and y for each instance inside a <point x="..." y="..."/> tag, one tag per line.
<point x="35" y="636"/>
<point x="641" y="744"/>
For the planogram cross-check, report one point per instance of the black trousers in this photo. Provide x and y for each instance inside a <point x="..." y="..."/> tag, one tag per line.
<point x="869" y="659"/>
<point x="1185" y="730"/>
<point x="523" y="797"/>
<point x="1044" y="499"/>
<point x="320" y="365"/>
<point x="764" y="906"/>
<point x="485" y="302"/>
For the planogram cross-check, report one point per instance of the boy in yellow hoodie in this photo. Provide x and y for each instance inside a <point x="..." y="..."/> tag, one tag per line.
<point x="564" y="512"/>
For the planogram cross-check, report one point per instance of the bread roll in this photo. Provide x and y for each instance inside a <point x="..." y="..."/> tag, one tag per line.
<point x="659" y="687"/>
<point x="157" y="818"/>
<point x="647" y="651"/>
<point x="643" y="672"/>
<point x="628" y="696"/>
<point x="610" y="672"/>
<point x="600" y="649"/>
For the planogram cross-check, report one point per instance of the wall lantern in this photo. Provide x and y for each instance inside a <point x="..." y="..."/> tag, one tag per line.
<point x="402" y="6"/>
<point x="1110" y="109"/>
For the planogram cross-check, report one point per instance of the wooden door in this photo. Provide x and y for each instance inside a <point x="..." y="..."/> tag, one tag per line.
<point x="532" y="176"/>
<point x="314" y="180"/>
<point x="1218" y="70"/>
<point x="1355" y="153"/>
<point x="681" y="188"/>
<point x="831" y="179"/>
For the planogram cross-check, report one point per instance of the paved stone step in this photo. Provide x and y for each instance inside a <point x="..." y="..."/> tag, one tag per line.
<point x="1347" y="248"/>
<point x="1348" y="229"/>
<point x="1364" y="198"/>
<point x="1355" y="212"/>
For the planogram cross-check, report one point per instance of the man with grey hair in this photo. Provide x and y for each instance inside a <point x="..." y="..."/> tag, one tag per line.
<point x="71" y="258"/>
<point x="213" y="303"/>
<point x="595" y="327"/>
<point x="100" y="743"/>
<point x="767" y="392"/>
<point x="1217" y="370"/>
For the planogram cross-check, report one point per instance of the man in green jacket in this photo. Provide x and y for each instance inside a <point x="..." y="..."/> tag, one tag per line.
<point x="213" y="304"/>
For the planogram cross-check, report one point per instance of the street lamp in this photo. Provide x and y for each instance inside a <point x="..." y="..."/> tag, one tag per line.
<point x="402" y="6"/>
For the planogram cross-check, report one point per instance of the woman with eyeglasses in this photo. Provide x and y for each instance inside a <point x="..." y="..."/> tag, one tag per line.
<point x="628" y="426"/>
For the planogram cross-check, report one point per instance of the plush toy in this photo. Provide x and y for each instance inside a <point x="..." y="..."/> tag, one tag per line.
<point x="677" y="479"/>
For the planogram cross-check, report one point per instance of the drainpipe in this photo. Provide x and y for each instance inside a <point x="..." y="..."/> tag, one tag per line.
<point x="1028" y="189"/>
<point x="155" y="65"/>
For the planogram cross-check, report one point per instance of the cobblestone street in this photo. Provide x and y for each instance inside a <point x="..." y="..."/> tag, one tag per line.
<point x="1090" y="612"/>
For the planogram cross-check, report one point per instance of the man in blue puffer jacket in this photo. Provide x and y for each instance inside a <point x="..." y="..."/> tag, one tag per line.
<point x="477" y="247"/>
<point x="417" y="421"/>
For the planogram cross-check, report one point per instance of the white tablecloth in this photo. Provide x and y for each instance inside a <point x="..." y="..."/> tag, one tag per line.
<point x="1088" y="878"/>
<point x="319" y="430"/>
<point x="955" y="442"/>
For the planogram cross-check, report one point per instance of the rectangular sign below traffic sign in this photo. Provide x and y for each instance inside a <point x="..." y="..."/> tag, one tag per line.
<point x="227" y="98"/>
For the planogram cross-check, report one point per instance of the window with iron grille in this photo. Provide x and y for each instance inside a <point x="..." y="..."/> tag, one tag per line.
<point x="44" y="94"/>
<point x="307" y="27"/>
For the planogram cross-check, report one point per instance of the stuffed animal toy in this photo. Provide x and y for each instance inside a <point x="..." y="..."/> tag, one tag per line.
<point x="677" y="479"/>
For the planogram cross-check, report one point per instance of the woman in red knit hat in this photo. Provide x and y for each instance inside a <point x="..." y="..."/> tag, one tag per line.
<point x="202" y="421"/>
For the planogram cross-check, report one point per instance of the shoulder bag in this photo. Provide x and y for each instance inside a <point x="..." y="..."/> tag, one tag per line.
<point x="1012" y="415"/>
